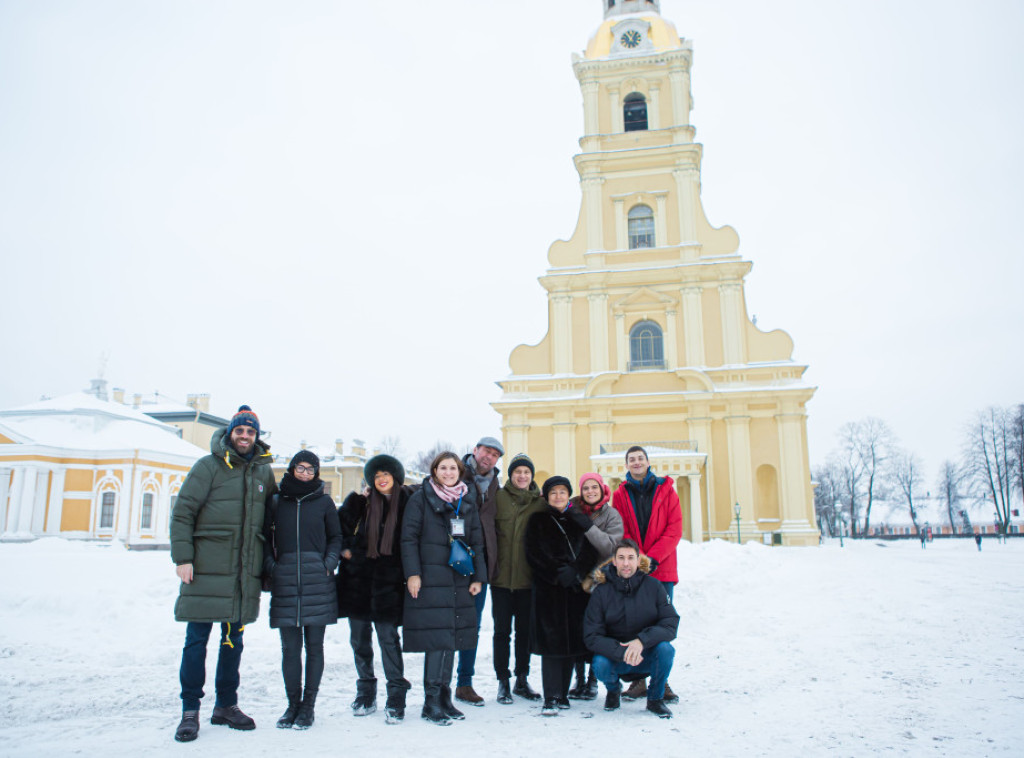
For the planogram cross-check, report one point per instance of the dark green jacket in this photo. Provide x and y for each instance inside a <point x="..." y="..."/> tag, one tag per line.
<point x="514" y="508"/>
<point x="216" y="525"/>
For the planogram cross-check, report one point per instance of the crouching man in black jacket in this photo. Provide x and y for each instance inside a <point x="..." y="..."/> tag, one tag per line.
<point x="630" y="625"/>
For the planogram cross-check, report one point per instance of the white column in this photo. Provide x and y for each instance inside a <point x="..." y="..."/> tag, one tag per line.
<point x="38" y="523"/>
<point x="562" y="333"/>
<point x="591" y="122"/>
<point x="130" y="506"/>
<point x="592" y="203"/>
<point x="621" y="342"/>
<point x="28" y="501"/>
<point x="613" y="103"/>
<point x="598" y="331"/>
<point x="565" y="447"/>
<point x="516" y="436"/>
<point x="5" y="496"/>
<point x="696" y="521"/>
<point x="653" y="109"/>
<point x="55" y="510"/>
<point x="671" y="340"/>
<point x="693" y="325"/>
<point x="679" y="83"/>
<point x="621" y="227"/>
<point x="733" y="332"/>
<point x="700" y="432"/>
<point x="687" y="193"/>
<point x="797" y="507"/>
<point x="741" y="484"/>
<point x="14" y="511"/>
<point x="660" y="222"/>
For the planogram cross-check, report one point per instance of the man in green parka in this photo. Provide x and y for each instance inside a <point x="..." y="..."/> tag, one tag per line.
<point x="217" y="548"/>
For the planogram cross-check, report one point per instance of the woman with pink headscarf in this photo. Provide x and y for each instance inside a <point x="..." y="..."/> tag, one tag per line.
<point x="604" y="529"/>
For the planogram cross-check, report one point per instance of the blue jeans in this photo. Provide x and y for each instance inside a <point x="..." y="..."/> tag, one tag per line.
<point x="193" y="664"/>
<point x="657" y="662"/>
<point x="467" y="658"/>
<point x="669" y="586"/>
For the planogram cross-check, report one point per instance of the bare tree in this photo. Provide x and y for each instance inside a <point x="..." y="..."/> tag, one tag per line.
<point x="868" y="443"/>
<point x="951" y="477"/>
<point x="1017" y="446"/>
<point x="827" y="494"/>
<point x="989" y="457"/>
<point x="391" y="445"/>
<point x="422" y="460"/>
<point x="905" y="472"/>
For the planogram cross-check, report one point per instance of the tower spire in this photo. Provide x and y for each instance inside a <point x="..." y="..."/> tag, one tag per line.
<point x="622" y="7"/>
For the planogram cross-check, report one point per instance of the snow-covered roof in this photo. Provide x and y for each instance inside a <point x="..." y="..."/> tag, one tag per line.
<point x="81" y="421"/>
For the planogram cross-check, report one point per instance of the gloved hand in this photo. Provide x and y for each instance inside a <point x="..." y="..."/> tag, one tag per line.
<point x="581" y="519"/>
<point x="566" y="576"/>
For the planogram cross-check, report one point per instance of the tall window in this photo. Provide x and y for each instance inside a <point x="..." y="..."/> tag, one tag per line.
<point x="147" y="511"/>
<point x="641" y="227"/>
<point x="646" y="347"/>
<point x="634" y="112"/>
<point x="107" y="510"/>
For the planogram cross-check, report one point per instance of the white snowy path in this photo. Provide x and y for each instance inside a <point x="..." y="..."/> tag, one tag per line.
<point x="866" y="650"/>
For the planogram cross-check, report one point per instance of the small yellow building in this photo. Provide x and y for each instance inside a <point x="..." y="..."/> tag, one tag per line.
<point x="649" y="341"/>
<point x="83" y="467"/>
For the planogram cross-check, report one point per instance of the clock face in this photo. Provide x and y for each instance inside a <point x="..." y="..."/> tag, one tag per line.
<point x="630" y="38"/>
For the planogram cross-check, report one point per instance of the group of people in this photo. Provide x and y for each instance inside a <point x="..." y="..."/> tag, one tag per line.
<point x="574" y="579"/>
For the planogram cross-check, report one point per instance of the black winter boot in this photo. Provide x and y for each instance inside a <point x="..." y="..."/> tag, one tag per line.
<point x="504" y="691"/>
<point x="590" y="688"/>
<point x="659" y="709"/>
<point x="304" y="719"/>
<point x="288" y="719"/>
<point x="231" y="715"/>
<point x="612" y="700"/>
<point x="433" y="712"/>
<point x="577" y="692"/>
<point x="188" y="729"/>
<point x="448" y="706"/>
<point x="523" y="689"/>
<point x="549" y="708"/>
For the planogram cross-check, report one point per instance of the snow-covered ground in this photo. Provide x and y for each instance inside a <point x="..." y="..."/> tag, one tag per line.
<point x="875" y="648"/>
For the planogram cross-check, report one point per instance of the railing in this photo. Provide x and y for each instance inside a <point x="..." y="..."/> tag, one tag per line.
<point x="647" y="365"/>
<point x="676" y="446"/>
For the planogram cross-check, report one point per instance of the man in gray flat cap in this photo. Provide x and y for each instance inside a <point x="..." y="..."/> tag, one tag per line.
<point x="482" y="475"/>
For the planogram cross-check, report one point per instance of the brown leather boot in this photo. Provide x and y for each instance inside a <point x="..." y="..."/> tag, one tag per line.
<point x="468" y="695"/>
<point x="637" y="690"/>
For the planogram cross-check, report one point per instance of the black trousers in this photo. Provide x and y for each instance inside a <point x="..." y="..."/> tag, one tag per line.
<point x="391" y="657"/>
<point x="556" y="673"/>
<point x="291" y="657"/>
<point x="438" y="666"/>
<point x="506" y="606"/>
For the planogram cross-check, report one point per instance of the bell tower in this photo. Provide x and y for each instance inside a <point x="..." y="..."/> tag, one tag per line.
<point x="649" y="341"/>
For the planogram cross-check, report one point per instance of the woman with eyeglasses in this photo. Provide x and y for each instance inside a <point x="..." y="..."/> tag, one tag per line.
<point x="440" y="612"/>
<point x="371" y="584"/>
<point x="303" y="544"/>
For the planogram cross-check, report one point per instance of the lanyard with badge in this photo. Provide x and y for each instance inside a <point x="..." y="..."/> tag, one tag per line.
<point x="458" y="524"/>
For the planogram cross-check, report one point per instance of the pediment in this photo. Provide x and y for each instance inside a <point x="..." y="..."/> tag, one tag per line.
<point x="644" y="299"/>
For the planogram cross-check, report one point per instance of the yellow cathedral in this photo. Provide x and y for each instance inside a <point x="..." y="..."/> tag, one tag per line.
<point x="649" y="341"/>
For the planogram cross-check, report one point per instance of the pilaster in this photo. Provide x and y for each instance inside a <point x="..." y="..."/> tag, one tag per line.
<point x="592" y="202"/>
<point x="598" y="331"/>
<point x="565" y="446"/>
<point x="686" y="192"/>
<point x="693" y="325"/>
<point x="55" y="510"/>
<point x="740" y="479"/>
<point x="562" y="333"/>
<point x="733" y="332"/>
<point x="696" y="520"/>
<point x="591" y="122"/>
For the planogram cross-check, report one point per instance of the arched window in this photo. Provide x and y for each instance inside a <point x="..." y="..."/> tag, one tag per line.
<point x="634" y="113"/>
<point x="107" y="503"/>
<point x="641" y="227"/>
<point x="646" y="347"/>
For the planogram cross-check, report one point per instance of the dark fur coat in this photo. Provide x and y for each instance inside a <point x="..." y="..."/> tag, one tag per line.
<point x="555" y="541"/>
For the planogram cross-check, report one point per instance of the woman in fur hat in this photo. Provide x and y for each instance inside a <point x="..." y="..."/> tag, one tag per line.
<point x="303" y="542"/>
<point x="371" y="584"/>
<point x="604" y="529"/>
<point x="560" y="556"/>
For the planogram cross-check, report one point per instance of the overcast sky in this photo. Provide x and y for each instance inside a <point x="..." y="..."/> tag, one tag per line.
<point x="337" y="212"/>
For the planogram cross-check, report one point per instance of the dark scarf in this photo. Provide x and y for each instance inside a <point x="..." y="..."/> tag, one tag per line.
<point x="642" y="495"/>
<point x="375" y="511"/>
<point x="292" y="487"/>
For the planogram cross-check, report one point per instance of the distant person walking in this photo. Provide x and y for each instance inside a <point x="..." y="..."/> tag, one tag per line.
<point x="977" y="540"/>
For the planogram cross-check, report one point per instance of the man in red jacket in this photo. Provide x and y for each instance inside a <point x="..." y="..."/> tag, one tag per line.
<point x="650" y="512"/>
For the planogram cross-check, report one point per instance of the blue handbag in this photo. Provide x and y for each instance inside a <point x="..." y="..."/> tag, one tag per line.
<point x="460" y="557"/>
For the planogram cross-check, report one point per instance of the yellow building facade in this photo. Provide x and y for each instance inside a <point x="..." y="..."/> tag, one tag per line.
<point x="79" y="466"/>
<point x="649" y="341"/>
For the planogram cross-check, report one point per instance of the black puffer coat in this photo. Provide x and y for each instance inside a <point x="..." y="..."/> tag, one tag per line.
<point x="555" y="541"/>
<point x="443" y="617"/>
<point x="306" y="537"/>
<point x="371" y="589"/>
<point x="622" y="610"/>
